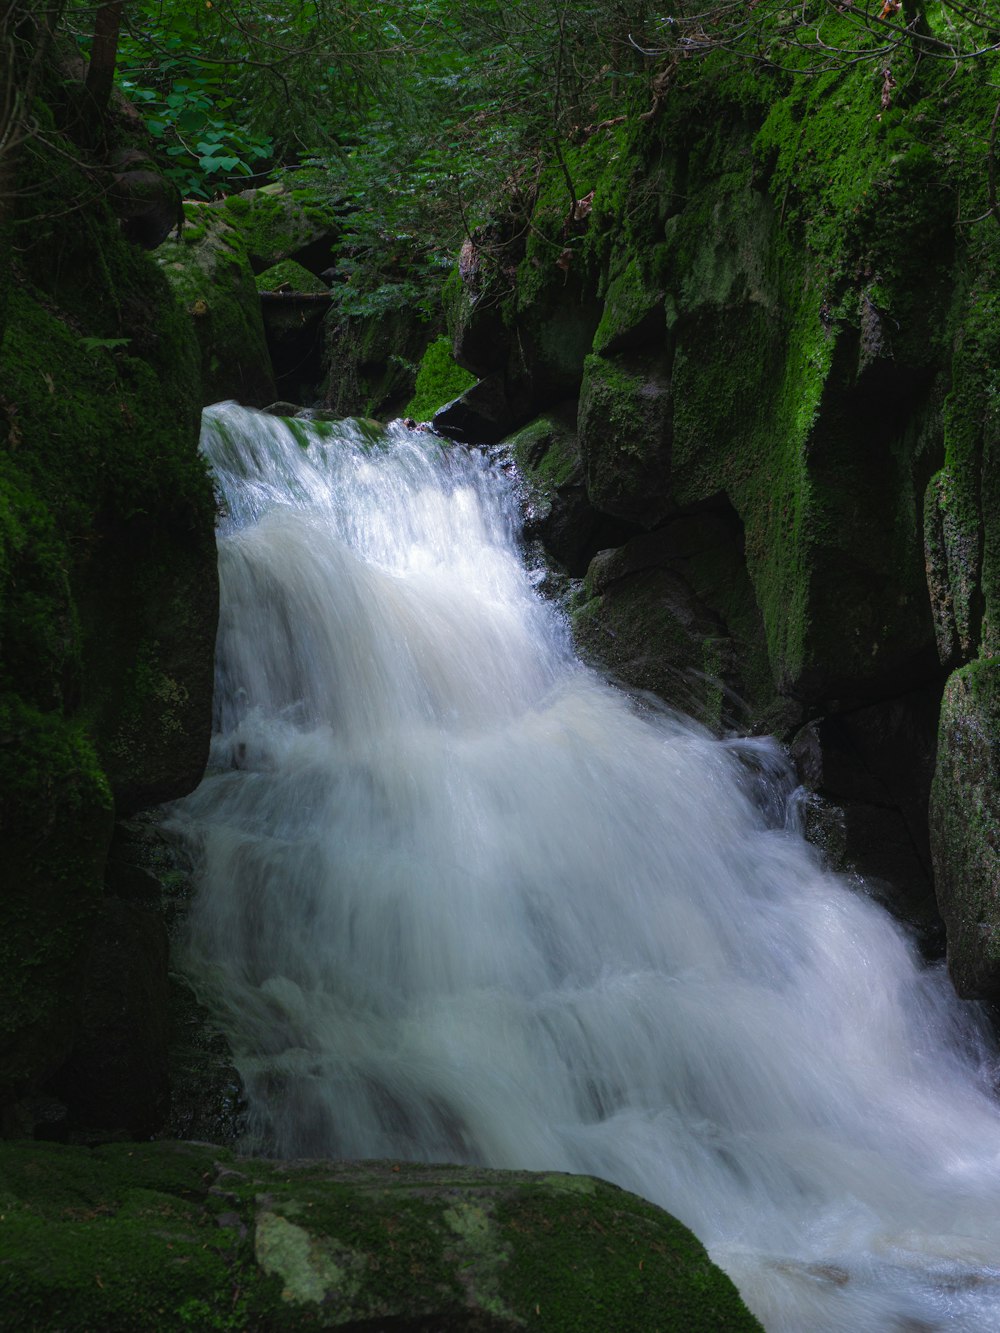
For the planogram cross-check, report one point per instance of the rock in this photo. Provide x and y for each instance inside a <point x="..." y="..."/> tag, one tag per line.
<point x="625" y="430"/>
<point x="873" y="766"/>
<point x="474" y="297"/>
<point x="282" y="409"/>
<point x="294" y="304"/>
<point x="371" y="361"/>
<point x="965" y="827"/>
<point x="952" y="553"/>
<point x="208" y="268"/>
<point x="291" y="220"/>
<point x="145" y="202"/>
<point x="673" y="611"/>
<point x="480" y="415"/>
<point x="559" y="512"/>
<point x="439" y="381"/>
<point x="108" y="601"/>
<point x="55" y="825"/>
<point x="116" y="1079"/>
<point x="168" y="1235"/>
<point x="634" y="316"/>
<point x="289" y="276"/>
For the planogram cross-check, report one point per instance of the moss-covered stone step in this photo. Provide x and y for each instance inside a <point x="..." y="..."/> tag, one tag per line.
<point x="183" y="1235"/>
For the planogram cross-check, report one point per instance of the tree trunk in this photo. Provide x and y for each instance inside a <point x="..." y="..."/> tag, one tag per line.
<point x="103" y="53"/>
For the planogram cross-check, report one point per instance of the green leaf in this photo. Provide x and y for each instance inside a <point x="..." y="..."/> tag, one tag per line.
<point x="218" y="163"/>
<point x="103" y="344"/>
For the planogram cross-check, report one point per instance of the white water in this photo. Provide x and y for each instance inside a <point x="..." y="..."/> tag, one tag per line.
<point x="461" y="900"/>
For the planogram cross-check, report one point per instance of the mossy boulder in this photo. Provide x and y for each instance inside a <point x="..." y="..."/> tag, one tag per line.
<point x="108" y="591"/>
<point x="479" y="415"/>
<point x="741" y="324"/>
<point x="673" y="611"/>
<point x="178" y="1234"/>
<point x="633" y="311"/>
<point x="625" y="430"/>
<point x="56" y="817"/>
<point x="439" y="380"/>
<point x="476" y="298"/>
<point x="871" y="769"/>
<point x="372" y="359"/>
<point x="557" y="507"/>
<point x="291" y="219"/>
<point x="288" y="276"/>
<point x="294" y="303"/>
<point x="209" y="271"/>
<point x="965" y="827"/>
<point x="770" y="310"/>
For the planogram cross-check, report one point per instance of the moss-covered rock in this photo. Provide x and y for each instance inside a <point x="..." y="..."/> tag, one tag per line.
<point x="557" y="507"/>
<point x="209" y="271"/>
<point x="292" y="219"/>
<point x="108" y="596"/>
<point x="372" y="360"/>
<point x="633" y="313"/>
<point x="479" y="415"/>
<point x="778" y="256"/>
<point x="55" y="822"/>
<point x="755" y="333"/>
<point x="965" y="827"/>
<point x="625" y="424"/>
<point x="439" y="379"/>
<point x="673" y="612"/>
<point x="291" y="277"/>
<point x="176" y="1235"/>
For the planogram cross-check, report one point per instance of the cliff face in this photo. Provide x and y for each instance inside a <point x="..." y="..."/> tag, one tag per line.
<point x="769" y="319"/>
<point x="108" y="597"/>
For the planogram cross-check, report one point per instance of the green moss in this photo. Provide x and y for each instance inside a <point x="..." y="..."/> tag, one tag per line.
<point x="55" y="824"/>
<point x="106" y="562"/>
<point x="547" y="452"/>
<point x="625" y="425"/>
<point x="634" y="303"/>
<point x="294" y="276"/>
<point x="276" y="222"/>
<point x="212" y="281"/>
<point x="175" y="1235"/>
<point x="439" y="380"/>
<point x="648" y="1264"/>
<point x="373" y="361"/>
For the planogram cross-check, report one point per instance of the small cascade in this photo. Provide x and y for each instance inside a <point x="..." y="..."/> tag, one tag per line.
<point x="462" y="900"/>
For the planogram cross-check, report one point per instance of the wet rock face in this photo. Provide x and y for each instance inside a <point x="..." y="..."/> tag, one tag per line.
<point x="185" y="1234"/>
<point x="625" y="422"/>
<point x="672" y="611"/>
<point x="870" y="770"/>
<point x="740" y="328"/>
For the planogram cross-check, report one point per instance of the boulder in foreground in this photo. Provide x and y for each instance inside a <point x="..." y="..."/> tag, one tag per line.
<point x="170" y="1235"/>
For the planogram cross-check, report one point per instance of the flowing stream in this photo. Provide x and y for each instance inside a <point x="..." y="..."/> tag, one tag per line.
<point x="462" y="900"/>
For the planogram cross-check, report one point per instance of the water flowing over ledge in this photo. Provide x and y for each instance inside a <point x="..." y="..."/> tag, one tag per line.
<point x="461" y="900"/>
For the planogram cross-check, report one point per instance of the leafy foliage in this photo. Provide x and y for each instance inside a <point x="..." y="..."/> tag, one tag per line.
<point x="417" y="119"/>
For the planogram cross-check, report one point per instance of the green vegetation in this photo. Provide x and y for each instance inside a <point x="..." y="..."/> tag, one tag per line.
<point x="439" y="380"/>
<point x="184" y="1235"/>
<point x="107" y="601"/>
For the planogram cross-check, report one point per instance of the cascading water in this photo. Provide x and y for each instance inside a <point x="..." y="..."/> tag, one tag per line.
<point x="461" y="900"/>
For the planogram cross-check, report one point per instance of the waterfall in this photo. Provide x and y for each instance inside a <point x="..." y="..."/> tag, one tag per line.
<point x="460" y="899"/>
